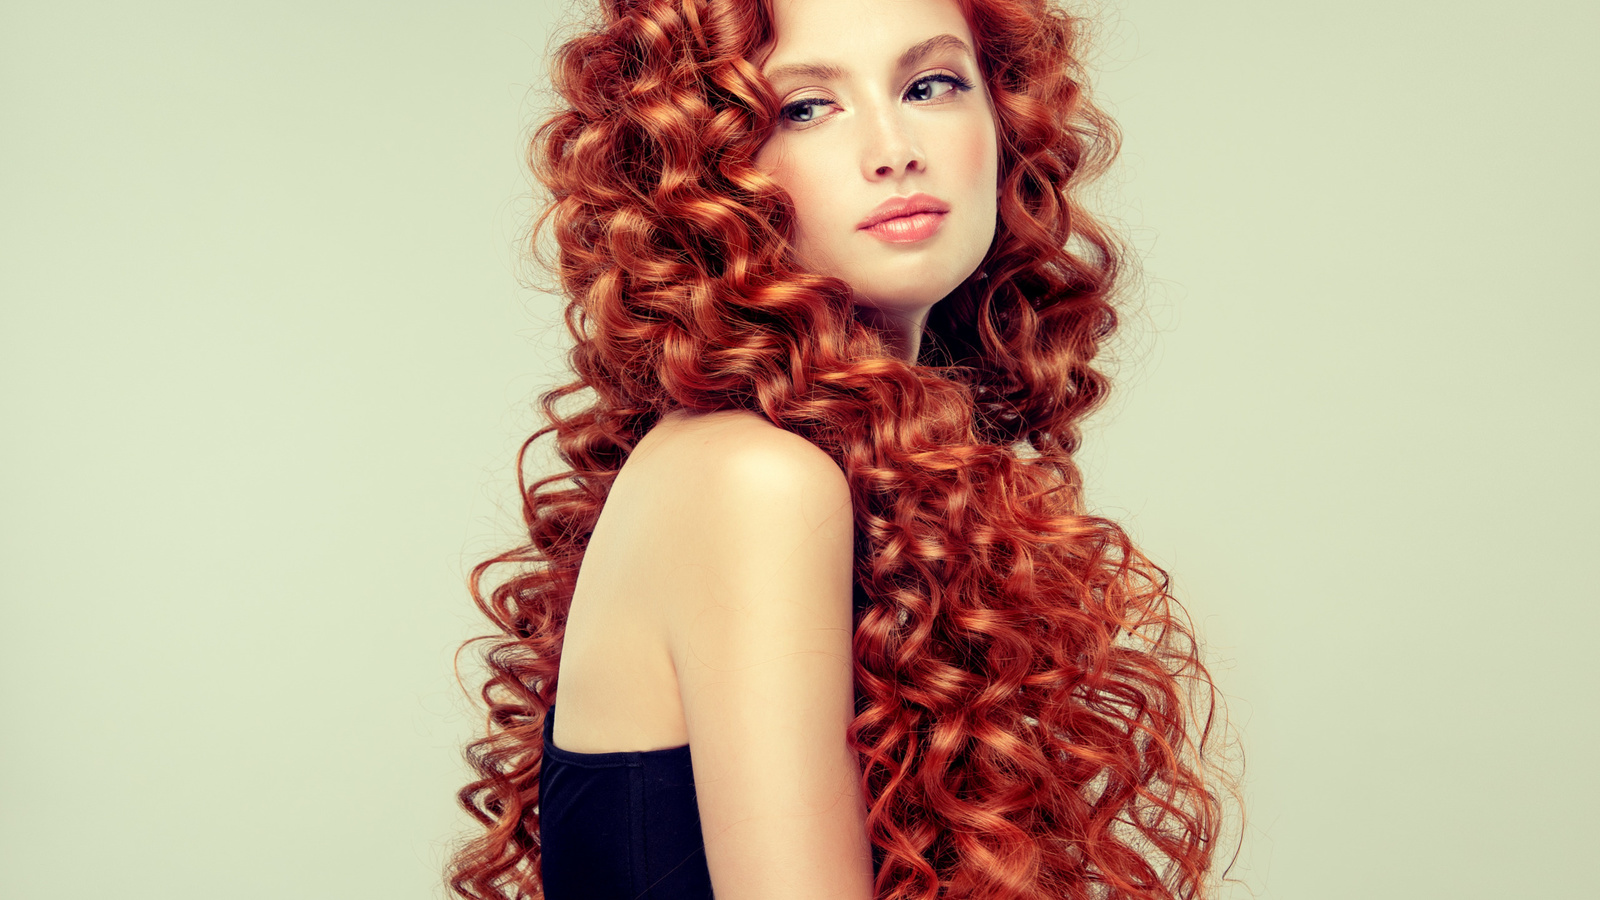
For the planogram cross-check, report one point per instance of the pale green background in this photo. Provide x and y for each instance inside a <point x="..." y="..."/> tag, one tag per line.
<point x="266" y="362"/>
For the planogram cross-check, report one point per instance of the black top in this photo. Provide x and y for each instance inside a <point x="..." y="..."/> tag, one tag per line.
<point x="620" y="826"/>
<point x="624" y="825"/>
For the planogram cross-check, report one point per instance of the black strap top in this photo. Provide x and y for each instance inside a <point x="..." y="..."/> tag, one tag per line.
<point x="620" y="826"/>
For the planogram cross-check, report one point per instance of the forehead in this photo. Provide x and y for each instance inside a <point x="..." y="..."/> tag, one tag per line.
<point x="859" y="33"/>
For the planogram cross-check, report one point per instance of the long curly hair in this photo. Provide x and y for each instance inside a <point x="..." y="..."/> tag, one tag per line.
<point x="1033" y="715"/>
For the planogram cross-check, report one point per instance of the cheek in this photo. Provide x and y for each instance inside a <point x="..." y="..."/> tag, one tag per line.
<point x="973" y="151"/>
<point x="807" y="180"/>
<point x="973" y="155"/>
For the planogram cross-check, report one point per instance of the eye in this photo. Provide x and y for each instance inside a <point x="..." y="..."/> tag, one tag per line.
<point x="790" y="111"/>
<point x="956" y="83"/>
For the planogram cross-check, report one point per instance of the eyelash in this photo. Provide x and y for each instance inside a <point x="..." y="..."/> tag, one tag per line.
<point x="961" y="84"/>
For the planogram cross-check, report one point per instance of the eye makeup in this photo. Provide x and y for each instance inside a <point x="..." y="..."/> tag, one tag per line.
<point x="956" y="82"/>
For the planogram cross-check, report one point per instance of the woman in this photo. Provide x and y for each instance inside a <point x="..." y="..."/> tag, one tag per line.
<point x="826" y="613"/>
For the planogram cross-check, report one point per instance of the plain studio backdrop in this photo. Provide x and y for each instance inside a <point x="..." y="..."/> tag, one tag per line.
<point x="267" y="360"/>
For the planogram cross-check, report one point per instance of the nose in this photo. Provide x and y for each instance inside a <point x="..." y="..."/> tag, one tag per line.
<point x="892" y="147"/>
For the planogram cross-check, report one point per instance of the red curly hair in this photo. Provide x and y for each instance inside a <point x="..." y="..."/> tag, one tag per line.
<point x="1032" y="711"/>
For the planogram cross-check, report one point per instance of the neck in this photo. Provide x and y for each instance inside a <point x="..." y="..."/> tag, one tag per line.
<point x="901" y="330"/>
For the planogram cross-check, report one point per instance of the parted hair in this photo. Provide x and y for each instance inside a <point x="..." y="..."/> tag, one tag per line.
<point x="1033" y="718"/>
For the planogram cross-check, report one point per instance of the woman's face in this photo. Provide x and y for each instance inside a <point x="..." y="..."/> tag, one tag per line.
<point x="883" y="99"/>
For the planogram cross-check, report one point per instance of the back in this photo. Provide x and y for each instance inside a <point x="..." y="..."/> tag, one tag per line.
<point x="715" y="598"/>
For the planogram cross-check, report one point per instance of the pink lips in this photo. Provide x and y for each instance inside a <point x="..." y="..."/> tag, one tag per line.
<point x="906" y="219"/>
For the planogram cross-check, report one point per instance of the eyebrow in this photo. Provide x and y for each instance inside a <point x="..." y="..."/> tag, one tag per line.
<point x="828" y="72"/>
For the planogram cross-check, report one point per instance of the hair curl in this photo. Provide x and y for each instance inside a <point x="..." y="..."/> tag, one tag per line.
<point x="1025" y="722"/>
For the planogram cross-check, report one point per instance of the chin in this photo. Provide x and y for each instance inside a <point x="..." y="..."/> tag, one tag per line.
<point x="904" y="301"/>
<point x="901" y="296"/>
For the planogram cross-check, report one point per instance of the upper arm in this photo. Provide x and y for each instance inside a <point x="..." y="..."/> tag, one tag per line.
<point x="759" y="626"/>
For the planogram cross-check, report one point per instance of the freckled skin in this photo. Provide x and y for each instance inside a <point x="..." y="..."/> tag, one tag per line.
<point x="883" y="132"/>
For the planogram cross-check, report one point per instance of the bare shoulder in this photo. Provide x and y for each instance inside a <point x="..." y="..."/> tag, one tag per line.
<point x="740" y="449"/>
<point x="708" y="513"/>
<point x="757" y="609"/>
<point x="714" y="471"/>
<point x="744" y="489"/>
<point x="710" y="501"/>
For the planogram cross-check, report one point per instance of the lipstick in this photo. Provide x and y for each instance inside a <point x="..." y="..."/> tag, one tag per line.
<point x="905" y="220"/>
